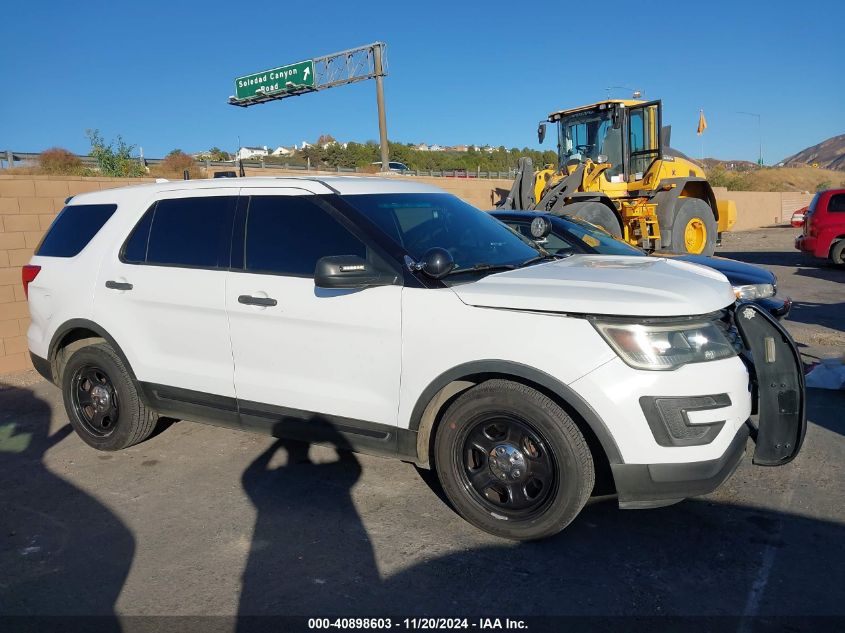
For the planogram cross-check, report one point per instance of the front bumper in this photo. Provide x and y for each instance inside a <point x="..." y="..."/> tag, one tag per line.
<point x="656" y="485"/>
<point x="777" y="307"/>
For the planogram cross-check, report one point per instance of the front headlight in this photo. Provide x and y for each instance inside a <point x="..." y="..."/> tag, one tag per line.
<point x="665" y="346"/>
<point x="751" y="292"/>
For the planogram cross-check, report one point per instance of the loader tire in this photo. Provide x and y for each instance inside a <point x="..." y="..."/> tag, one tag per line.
<point x="694" y="229"/>
<point x="595" y="213"/>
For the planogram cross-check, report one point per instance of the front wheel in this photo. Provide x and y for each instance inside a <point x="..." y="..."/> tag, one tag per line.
<point x="101" y="400"/>
<point x="694" y="229"/>
<point x="512" y="462"/>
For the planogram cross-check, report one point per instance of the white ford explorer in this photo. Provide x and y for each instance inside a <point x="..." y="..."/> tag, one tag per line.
<point x="392" y="318"/>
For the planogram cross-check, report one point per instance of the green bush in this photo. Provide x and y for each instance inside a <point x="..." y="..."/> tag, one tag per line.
<point x="114" y="159"/>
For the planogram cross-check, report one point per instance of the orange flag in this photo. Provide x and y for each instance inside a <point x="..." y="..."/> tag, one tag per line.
<point x="702" y="122"/>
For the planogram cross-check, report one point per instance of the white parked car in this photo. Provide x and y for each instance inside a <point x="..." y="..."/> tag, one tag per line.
<point x="389" y="317"/>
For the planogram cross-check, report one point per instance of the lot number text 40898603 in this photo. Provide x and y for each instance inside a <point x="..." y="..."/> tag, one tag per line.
<point x="433" y="624"/>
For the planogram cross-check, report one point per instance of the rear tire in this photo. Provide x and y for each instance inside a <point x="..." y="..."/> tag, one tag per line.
<point x="694" y="230"/>
<point x="837" y="253"/>
<point x="595" y="213"/>
<point x="512" y="462"/>
<point x="101" y="400"/>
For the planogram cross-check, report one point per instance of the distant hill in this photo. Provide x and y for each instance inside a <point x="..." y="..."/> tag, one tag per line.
<point x="829" y="154"/>
<point x="740" y="165"/>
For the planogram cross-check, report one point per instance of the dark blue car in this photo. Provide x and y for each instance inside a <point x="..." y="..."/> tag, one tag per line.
<point x="562" y="235"/>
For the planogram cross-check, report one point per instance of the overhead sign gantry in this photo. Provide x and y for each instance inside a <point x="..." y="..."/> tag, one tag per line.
<point x="320" y="73"/>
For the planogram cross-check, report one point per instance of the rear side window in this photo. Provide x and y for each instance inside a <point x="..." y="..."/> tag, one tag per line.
<point x="837" y="203"/>
<point x="187" y="232"/>
<point x="286" y="235"/>
<point x="73" y="228"/>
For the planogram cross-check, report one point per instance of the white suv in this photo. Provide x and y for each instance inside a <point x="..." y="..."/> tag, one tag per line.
<point x="389" y="317"/>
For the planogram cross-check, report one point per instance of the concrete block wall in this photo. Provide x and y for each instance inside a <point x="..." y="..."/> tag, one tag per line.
<point x="28" y="205"/>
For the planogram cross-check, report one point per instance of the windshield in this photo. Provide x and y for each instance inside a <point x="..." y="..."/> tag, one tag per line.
<point x="596" y="239"/>
<point x="588" y="135"/>
<point x="570" y="235"/>
<point x="420" y="221"/>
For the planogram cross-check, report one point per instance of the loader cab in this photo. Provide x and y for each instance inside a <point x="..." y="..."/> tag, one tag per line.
<point x="624" y="133"/>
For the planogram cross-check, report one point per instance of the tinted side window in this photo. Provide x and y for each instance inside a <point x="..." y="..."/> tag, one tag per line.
<point x="288" y="234"/>
<point x="135" y="249"/>
<point x="73" y="228"/>
<point x="192" y="232"/>
<point x="836" y="203"/>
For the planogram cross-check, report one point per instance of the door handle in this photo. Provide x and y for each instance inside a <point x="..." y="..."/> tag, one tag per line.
<point x="118" y="285"/>
<point x="257" y="301"/>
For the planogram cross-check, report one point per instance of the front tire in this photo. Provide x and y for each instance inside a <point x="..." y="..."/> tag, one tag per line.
<point x="101" y="400"/>
<point x="512" y="462"/>
<point x="694" y="230"/>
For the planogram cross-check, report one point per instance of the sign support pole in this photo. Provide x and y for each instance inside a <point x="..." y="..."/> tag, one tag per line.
<point x="382" y="119"/>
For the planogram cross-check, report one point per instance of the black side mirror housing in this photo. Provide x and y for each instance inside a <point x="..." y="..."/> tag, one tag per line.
<point x="541" y="133"/>
<point x="350" y="272"/>
<point x="437" y="262"/>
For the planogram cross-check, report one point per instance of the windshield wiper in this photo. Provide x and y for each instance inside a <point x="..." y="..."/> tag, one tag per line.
<point x="541" y="258"/>
<point x="477" y="268"/>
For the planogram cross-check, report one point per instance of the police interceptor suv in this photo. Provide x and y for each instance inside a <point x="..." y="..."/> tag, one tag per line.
<point x="389" y="317"/>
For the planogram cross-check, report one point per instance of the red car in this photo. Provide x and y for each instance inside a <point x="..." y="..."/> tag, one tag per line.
<point x="824" y="227"/>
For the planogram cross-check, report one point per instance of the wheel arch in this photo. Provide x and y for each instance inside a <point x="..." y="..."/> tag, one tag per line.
<point x="668" y="201"/>
<point x="81" y="330"/>
<point x="833" y="243"/>
<point x="435" y="398"/>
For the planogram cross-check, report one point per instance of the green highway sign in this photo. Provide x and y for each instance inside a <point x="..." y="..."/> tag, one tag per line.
<point x="277" y="80"/>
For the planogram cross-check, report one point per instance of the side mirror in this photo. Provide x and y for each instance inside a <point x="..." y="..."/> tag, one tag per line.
<point x="350" y="272"/>
<point x="666" y="136"/>
<point x="541" y="133"/>
<point x="436" y="262"/>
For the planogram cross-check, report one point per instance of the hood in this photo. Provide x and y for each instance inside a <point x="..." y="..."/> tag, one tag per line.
<point x="738" y="273"/>
<point x="604" y="284"/>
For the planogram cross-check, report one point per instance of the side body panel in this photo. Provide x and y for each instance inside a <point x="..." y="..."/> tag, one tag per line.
<point x="172" y="324"/>
<point x="334" y="352"/>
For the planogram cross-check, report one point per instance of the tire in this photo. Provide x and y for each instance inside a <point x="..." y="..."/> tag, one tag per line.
<point x="101" y="400"/>
<point x="512" y="462"/>
<point x="595" y="213"/>
<point x="837" y="253"/>
<point x="694" y="230"/>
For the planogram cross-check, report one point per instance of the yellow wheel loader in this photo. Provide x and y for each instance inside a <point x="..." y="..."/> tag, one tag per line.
<point x="617" y="171"/>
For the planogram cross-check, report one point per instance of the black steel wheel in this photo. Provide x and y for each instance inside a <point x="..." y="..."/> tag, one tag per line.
<point x="508" y="465"/>
<point x="101" y="399"/>
<point x="512" y="462"/>
<point x="95" y="400"/>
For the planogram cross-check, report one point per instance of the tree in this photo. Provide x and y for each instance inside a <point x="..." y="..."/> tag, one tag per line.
<point x="218" y="154"/>
<point x="114" y="161"/>
<point x="325" y="139"/>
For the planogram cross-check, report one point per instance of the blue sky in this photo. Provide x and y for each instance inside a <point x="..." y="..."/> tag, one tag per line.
<point x="159" y="73"/>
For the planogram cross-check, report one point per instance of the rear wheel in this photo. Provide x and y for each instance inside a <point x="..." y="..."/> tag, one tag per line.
<point x="101" y="400"/>
<point x="694" y="229"/>
<point x="595" y="213"/>
<point x="837" y="253"/>
<point x="512" y="462"/>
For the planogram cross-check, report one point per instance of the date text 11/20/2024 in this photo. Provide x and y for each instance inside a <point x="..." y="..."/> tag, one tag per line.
<point x="435" y="624"/>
